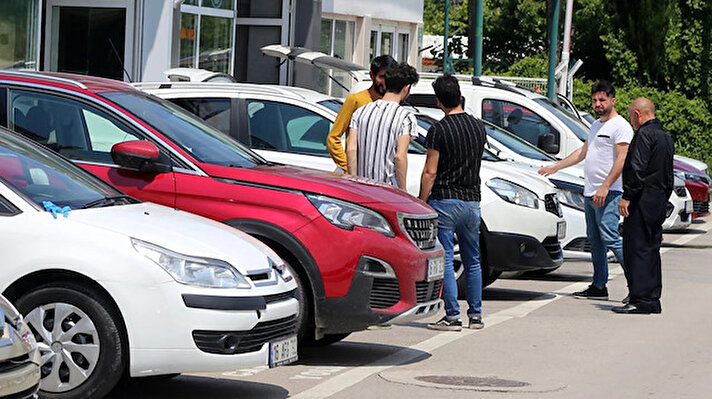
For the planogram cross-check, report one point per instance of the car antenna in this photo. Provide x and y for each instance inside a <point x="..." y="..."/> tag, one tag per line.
<point x="116" y="53"/>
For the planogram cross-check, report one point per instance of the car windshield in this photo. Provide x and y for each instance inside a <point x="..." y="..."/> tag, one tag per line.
<point x="576" y="126"/>
<point x="201" y="141"/>
<point x="332" y="104"/>
<point x="41" y="176"/>
<point x="516" y="144"/>
<point x="425" y="121"/>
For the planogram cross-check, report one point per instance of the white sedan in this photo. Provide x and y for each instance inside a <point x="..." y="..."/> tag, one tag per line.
<point x="110" y="285"/>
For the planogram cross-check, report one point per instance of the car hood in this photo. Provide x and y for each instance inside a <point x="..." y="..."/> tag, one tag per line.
<point x="516" y="172"/>
<point x="179" y="232"/>
<point x="345" y="187"/>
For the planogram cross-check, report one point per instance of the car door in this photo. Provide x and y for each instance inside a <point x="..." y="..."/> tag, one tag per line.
<point x="85" y="134"/>
<point x="288" y="133"/>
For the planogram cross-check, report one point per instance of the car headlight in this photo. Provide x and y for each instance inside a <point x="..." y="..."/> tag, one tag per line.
<point x="347" y="215"/>
<point x="190" y="270"/>
<point x="513" y="193"/>
<point x="690" y="177"/>
<point x="570" y="198"/>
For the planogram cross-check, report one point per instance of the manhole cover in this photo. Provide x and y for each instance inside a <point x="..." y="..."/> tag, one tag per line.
<point x="488" y="382"/>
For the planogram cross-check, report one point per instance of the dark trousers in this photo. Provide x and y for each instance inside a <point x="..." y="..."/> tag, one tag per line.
<point x="642" y="236"/>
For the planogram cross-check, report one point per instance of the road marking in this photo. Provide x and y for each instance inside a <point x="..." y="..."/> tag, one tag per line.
<point x="353" y="376"/>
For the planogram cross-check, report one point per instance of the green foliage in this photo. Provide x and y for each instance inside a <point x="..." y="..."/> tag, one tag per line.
<point x="624" y="64"/>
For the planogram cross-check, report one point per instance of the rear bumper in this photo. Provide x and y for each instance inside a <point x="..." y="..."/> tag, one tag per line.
<point x="520" y="253"/>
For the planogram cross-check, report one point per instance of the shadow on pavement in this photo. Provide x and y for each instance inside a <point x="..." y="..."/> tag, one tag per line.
<point x="686" y="231"/>
<point x="555" y="276"/>
<point x="354" y="354"/>
<point x="504" y="294"/>
<point x="194" y="387"/>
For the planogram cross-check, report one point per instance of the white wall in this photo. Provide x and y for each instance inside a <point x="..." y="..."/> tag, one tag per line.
<point x="157" y="39"/>
<point x="395" y="10"/>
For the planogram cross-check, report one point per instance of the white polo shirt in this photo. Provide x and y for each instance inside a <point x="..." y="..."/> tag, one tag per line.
<point x="601" y="153"/>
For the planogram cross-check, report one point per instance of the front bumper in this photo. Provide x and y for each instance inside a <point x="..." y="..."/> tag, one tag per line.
<point x="21" y="382"/>
<point x="520" y="253"/>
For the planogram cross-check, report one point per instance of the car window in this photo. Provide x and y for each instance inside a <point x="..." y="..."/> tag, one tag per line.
<point x="515" y="143"/>
<point x="333" y="104"/>
<point x="519" y="120"/>
<point x="214" y="111"/>
<point x="288" y="128"/>
<point x="576" y="126"/>
<point x="7" y="208"/>
<point x="70" y="127"/>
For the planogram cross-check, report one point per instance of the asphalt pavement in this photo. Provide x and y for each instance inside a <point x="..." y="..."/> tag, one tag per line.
<point x="538" y="342"/>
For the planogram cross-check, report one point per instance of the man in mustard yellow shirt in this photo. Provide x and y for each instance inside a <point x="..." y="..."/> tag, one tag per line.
<point x="379" y="65"/>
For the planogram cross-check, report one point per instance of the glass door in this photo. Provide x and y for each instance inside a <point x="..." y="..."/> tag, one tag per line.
<point x="90" y="38"/>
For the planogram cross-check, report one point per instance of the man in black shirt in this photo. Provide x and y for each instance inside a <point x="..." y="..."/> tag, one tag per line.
<point x="451" y="185"/>
<point x="647" y="184"/>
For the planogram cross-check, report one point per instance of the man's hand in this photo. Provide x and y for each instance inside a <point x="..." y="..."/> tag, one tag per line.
<point x="549" y="170"/>
<point x="623" y="207"/>
<point x="599" y="198"/>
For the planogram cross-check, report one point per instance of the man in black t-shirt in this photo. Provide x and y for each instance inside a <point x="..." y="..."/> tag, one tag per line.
<point x="451" y="185"/>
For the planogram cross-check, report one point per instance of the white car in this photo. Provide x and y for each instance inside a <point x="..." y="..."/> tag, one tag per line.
<point x="522" y="219"/>
<point x="111" y="285"/>
<point x="19" y="355"/>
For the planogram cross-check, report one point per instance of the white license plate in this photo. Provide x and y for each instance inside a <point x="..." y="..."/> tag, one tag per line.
<point x="561" y="230"/>
<point x="688" y="206"/>
<point x="283" y="351"/>
<point x="436" y="268"/>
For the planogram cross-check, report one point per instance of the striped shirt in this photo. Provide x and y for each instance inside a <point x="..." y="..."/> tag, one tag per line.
<point x="379" y="125"/>
<point x="460" y="140"/>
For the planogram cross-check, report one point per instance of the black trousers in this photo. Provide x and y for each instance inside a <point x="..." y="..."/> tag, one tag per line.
<point x="642" y="236"/>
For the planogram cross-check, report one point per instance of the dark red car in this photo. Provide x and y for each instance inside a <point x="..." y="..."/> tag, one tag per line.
<point x="363" y="254"/>
<point x="698" y="183"/>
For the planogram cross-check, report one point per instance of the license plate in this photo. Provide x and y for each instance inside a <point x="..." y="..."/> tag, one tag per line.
<point x="688" y="206"/>
<point x="283" y="351"/>
<point x="436" y="268"/>
<point x="561" y="230"/>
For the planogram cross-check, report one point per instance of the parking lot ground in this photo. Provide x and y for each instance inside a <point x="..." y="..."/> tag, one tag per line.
<point x="538" y="342"/>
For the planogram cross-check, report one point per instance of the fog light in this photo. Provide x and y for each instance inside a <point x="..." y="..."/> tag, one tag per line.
<point x="376" y="267"/>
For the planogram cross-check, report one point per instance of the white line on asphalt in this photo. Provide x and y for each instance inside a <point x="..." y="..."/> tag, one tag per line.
<point x="352" y="377"/>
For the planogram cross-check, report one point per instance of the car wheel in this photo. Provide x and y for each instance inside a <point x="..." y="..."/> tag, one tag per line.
<point x="329" y="339"/>
<point x="83" y="353"/>
<point x="489" y="276"/>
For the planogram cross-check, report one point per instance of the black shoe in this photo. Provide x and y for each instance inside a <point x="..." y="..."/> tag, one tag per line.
<point x="476" y="323"/>
<point x="445" y="324"/>
<point x="592" y="292"/>
<point x="631" y="309"/>
<point x="626" y="300"/>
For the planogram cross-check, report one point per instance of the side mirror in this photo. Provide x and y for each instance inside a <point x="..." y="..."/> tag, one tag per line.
<point x="140" y="156"/>
<point x="547" y="143"/>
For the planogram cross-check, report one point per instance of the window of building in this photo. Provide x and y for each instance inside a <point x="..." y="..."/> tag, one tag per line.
<point x="337" y="39"/>
<point x="19" y="27"/>
<point x="387" y="40"/>
<point x="206" y="35"/>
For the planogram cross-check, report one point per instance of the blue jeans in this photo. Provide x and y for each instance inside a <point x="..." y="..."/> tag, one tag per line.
<point x="461" y="218"/>
<point x="602" y="232"/>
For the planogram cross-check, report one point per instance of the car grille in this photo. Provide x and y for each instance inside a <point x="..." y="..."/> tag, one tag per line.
<point x="423" y="232"/>
<point x="282" y="297"/>
<point x="581" y="244"/>
<point x="681" y="192"/>
<point x="551" y="203"/>
<point x="427" y="291"/>
<point x="700" y="206"/>
<point x="553" y="247"/>
<point x="385" y="293"/>
<point x="231" y="342"/>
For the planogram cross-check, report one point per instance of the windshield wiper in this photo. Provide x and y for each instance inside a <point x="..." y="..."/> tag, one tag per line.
<point x="111" y="200"/>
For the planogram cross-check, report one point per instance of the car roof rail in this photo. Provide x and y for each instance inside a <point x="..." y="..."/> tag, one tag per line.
<point x="38" y="75"/>
<point x="206" y="85"/>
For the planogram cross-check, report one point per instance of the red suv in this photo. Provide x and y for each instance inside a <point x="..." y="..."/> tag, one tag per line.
<point x="363" y="254"/>
<point x="698" y="182"/>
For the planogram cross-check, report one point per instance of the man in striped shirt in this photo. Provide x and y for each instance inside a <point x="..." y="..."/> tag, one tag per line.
<point x="380" y="131"/>
<point x="451" y="185"/>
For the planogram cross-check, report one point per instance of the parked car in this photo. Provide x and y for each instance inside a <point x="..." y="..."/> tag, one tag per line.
<point x="363" y="254"/>
<point x="698" y="183"/>
<point x="290" y="125"/>
<point x="110" y="285"/>
<point x="19" y="355"/>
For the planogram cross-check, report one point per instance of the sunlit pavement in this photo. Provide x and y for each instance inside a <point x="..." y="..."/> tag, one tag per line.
<point x="538" y="342"/>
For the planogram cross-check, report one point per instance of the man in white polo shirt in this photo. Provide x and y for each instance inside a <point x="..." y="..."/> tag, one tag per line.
<point x="604" y="154"/>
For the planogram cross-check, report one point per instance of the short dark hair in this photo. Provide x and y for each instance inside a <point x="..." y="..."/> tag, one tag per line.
<point x="400" y="76"/>
<point x="447" y="90"/>
<point x="382" y="62"/>
<point x="604" y="86"/>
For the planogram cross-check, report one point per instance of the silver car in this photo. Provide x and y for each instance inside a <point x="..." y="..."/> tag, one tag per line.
<point x="19" y="356"/>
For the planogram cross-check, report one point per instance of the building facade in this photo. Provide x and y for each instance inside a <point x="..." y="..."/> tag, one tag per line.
<point x="137" y="40"/>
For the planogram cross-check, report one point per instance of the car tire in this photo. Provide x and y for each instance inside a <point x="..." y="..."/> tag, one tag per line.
<point x="305" y="321"/>
<point x="329" y="339"/>
<point x="489" y="276"/>
<point x="73" y="365"/>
